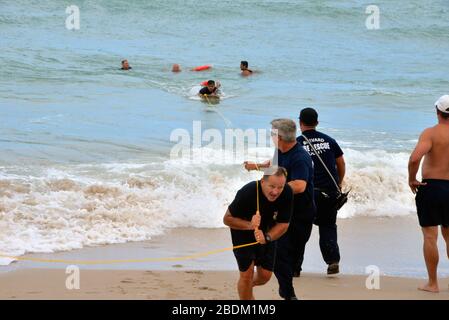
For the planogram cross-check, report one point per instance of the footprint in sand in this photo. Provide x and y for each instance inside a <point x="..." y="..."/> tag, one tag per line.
<point x="119" y="288"/>
<point x="195" y="272"/>
<point x="123" y="291"/>
<point x="127" y="281"/>
<point x="207" y="288"/>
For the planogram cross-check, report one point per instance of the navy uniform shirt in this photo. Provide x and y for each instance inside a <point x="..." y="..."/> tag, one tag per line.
<point x="299" y="166"/>
<point x="329" y="150"/>
<point x="244" y="207"/>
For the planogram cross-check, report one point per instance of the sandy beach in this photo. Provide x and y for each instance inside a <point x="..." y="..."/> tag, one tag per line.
<point x="363" y="241"/>
<point x="199" y="285"/>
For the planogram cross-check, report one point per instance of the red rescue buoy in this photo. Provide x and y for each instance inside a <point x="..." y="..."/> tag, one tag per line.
<point x="201" y="68"/>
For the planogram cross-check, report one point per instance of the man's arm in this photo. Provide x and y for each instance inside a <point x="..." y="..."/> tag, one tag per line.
<point x="275" y="233"/>
<point x="278" y="230"/>
<point x="341" y="169"/>
<point x="254" y="166"/>
<point x="423" y="146"/>
<point x="299" y="175"/>
<point x="240" y="224"/>
<point x="298" y="186"/>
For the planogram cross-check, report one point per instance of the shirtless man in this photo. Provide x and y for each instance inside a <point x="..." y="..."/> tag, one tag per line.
<point x="432" y="193"/>
<point x="244" y="68"/>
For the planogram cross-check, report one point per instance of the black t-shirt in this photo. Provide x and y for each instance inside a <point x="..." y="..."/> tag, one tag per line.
<point x="299" y="166"/>
<point x="205" y="90"/>
<point x="329" y="150"/>
<point x="244" y="207"/>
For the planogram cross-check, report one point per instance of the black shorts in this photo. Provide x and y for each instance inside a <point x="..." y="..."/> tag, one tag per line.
<point x="432" y="203"/>
<point x="262" y="255"/>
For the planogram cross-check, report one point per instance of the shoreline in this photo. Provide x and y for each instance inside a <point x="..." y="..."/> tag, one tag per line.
<point x="394" y="245"/>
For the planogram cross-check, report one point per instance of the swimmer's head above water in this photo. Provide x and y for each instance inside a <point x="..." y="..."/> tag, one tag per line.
<point x="125" y="65"/>
<point x="176" y="68"/>
<point x="210" y="89"/>
<point x="244" y="68"/>
<point x="211" y="85"/>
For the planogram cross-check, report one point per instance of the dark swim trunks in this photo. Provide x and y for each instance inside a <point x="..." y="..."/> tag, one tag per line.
<point x="432" y="203"/>
<point x="262" y="255"/>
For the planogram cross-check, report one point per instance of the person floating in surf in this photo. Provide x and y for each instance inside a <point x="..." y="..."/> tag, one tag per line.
<point x="176" y="68"/>
<point x="125" y="65"/>
<point x="244" y="68"/>
<point x="209" y="90"/>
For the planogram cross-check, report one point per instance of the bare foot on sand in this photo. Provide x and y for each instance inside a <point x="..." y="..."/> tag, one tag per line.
<point x="429" y="288"/>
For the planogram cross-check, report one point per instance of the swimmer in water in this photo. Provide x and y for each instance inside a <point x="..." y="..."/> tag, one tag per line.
<point x="209" y="90"/>
<point x="125" y="65"/>
<point x="244" y="67"/>
<point x="176" y="68"/>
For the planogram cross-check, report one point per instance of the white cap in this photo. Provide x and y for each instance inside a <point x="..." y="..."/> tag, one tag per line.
<point x="442" y="103"/>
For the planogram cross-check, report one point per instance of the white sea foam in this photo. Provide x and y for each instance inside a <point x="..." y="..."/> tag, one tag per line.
<point x="379" y="184"/>
<point x="74" y="206"/>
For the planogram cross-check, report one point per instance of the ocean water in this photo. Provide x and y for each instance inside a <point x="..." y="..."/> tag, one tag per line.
<point x="85" y="147"/>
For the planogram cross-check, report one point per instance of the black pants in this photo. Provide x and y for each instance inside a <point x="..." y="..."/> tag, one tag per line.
<point x="290" y="250"/>
<point x="326" y="219"/>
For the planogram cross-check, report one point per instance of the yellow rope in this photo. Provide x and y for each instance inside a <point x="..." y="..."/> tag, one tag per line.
<point x="207" y="99"/>
<point x="95" y="262"/>
<point x="257" y="186"/>
<point x="257" y="194"/>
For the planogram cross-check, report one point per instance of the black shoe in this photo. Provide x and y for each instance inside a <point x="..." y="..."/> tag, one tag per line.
<point x="292" y="297"/>
<point x="333" y="268"/>
<point x="297" y="274"/>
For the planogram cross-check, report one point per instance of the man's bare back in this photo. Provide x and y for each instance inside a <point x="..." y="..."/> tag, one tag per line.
<point x="436" y="160"/>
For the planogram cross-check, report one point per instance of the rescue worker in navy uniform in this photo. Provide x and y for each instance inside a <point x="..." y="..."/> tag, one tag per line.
<point x="325" y="189"/>
<point x="293" y="157"/>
